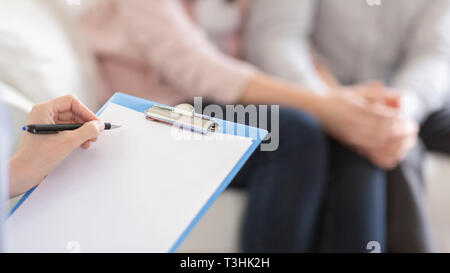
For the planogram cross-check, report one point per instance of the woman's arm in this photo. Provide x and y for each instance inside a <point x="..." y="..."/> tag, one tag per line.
<point x="180" y="51"/>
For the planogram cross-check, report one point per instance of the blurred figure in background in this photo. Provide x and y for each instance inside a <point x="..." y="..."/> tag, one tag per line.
<point x="404" y="43"/>
<point x="153" y="50"/>
<point x="222" y="20"/>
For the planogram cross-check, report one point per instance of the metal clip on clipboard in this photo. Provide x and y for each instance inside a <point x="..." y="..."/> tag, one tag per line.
<point x="182" y="116"/>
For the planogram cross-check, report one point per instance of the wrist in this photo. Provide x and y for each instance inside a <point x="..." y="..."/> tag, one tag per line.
<point x="20" y="176"/>
<point x="316" y="105"/>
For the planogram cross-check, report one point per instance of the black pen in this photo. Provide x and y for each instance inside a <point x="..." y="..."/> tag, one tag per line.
<point x="44" y="129"/>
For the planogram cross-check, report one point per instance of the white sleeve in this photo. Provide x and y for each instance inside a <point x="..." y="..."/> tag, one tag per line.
<point x="277" y="40"/>
<point x="424" y="77"/>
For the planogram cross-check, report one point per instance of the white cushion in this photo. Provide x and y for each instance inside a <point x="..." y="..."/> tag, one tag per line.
<point x="41" y="52"/>
<point x="18" y="107"/>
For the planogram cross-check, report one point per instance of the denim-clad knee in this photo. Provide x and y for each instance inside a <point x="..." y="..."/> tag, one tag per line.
<point x="286" y="188"/>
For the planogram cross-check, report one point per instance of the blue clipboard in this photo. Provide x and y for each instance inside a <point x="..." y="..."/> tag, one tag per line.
<point x="141" y="105"/>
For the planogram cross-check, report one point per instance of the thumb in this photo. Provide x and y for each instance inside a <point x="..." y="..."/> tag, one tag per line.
<point x="370" y="90"/>
<point x="376" y="91"/>
<point x="375" y="85"/>
<point x="90" y="130"/>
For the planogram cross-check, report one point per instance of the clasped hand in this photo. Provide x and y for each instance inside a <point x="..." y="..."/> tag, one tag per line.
<point x="369" y="119"/>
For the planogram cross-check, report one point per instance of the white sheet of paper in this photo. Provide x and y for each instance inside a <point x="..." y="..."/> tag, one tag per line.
<point x="136" y="190"/>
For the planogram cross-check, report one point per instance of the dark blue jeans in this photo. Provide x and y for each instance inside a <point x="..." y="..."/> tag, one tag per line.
<point x="312" y="194"/>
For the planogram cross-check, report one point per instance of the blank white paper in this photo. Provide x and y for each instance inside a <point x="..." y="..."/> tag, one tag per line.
<point x="136" y="190"/>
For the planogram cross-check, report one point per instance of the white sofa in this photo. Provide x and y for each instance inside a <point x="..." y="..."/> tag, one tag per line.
<point x="44" y="55"/>
<point x="219" y="230"/>
<point x="18" y="106"/>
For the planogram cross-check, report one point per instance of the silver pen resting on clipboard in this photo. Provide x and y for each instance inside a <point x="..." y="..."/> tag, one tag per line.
<point x="182" y="116"/>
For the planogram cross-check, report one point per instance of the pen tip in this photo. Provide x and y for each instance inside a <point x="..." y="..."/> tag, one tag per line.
<point x="116" y="126"/>
<point x="24" y="128"/>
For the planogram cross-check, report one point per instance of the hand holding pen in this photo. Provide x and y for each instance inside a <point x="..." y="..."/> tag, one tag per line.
<point x="37" y="156"/>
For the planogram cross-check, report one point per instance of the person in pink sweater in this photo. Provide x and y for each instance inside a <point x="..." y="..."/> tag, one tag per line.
<point x="152" y="49"/>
